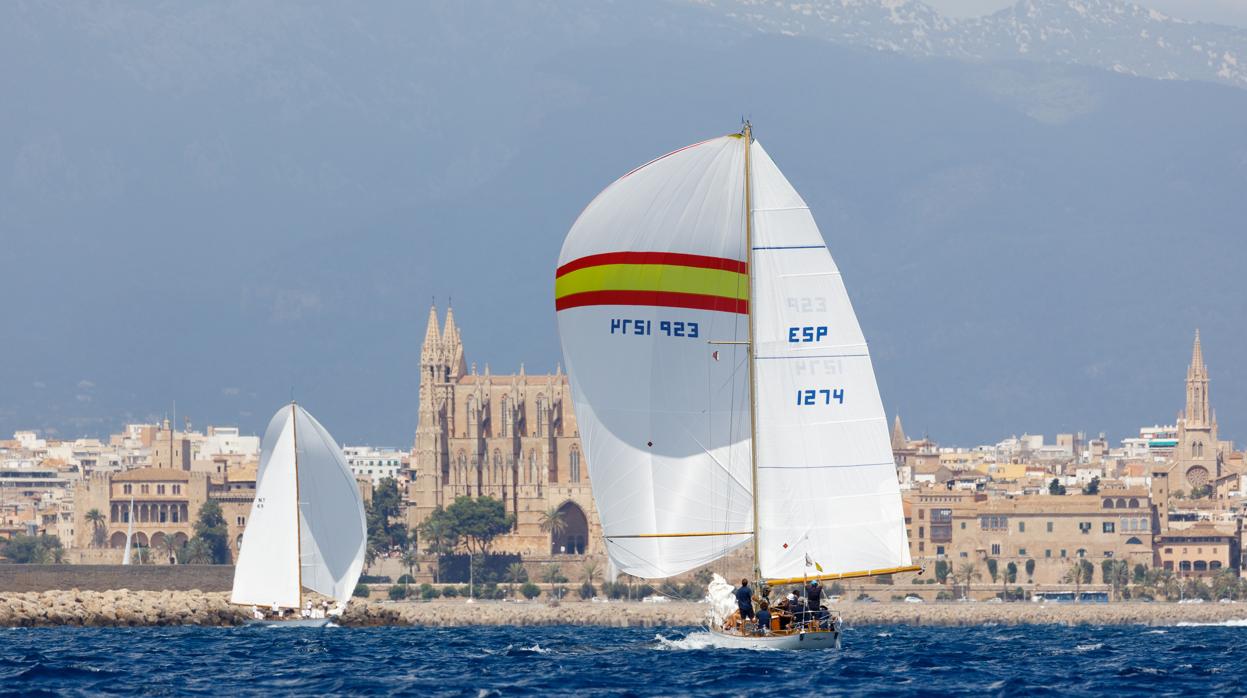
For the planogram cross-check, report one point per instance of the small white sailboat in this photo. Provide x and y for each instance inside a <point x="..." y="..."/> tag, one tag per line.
<point x="125" y="560"/>
<point x="306" y="529"/>
<point x="723" y="387"/>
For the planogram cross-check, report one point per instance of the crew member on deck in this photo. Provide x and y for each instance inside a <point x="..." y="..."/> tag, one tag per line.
<point x="744" y="600"/>
<point x="814" y="593"/>
<point x="764" y="618"/>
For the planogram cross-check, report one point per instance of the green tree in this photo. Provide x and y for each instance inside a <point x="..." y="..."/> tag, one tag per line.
<point x="1140" y="574"/>
<point x="552" y="521"/>
<point x="590" y="571"/>
<point x="1201" y="491"/>
<point x="516" y="574"/>
<point x="97" y="521"/>
<point x="477" y="521"/>
<point x="530" y="590"/>
<point x="993" y="569"/>
<point x="1011" y="573"/>
<point x="1055" y="487"/>
<point x="171" y="547"/>
<point x="1073" y="575"/>
<point x="1030" y="571"/>
<point x="1092" y="487"/>
<point x="941" y="571"/>
<point x="212" y="534"/>
<point x="1087" y="570"/>
<point x="386" y="530"/>
<point x="23" y="549"/>
<point x="410" y="561"/>
<point x="966" y="573"/>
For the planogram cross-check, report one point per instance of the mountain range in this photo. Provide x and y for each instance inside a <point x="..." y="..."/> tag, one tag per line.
<point x="228" y="204"/>
<point x="1110" y="34"/>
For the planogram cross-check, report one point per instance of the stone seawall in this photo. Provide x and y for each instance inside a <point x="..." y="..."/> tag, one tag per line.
<point x="23" y="578"/>
<point x="123" y="607"/>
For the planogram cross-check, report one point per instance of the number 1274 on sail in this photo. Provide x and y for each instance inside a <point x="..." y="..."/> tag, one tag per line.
<point x="824" y="396"/>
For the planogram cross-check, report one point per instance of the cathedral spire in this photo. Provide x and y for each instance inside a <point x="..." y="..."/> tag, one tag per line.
<point x="1197" y="357"/>
<point x="1198" y="410"/>
<point x="432" y="337"/>
<point x="899" y="442"/>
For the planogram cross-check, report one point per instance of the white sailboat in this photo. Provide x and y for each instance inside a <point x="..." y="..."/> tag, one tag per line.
<point x="306" y="529"/>
<point x="721" y="379"/>
<point x="125" y="560"/>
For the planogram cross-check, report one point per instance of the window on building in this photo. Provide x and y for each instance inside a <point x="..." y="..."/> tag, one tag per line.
<point x="965" y="554"/>
<point x="177" y="489"/>
<point x="145" y="489"/>
<point x="241" y="520"/>
<point x="1062" y="552"/>
<point x="963" y="525"/>
<point x="1081" y="552"/>
<point x="160" y="489"/>
<point x="127" y="489"/>
<point x="939" y="550"/>
<point x="177" y="514"/>
<point x="922" y="513"/>
<point x="921" y="546"/>
<point x="1049" y="527"/>
<point x="1084" y="527"/>
<point x="995" y="548"/>
<point x="1021" y="552"/>
<point x="1021" y="527"/>
<point x="1109" y="527"/>
<point x="574" y="475"/>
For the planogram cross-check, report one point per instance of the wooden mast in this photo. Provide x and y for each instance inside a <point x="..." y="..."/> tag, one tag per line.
<point x="753" y="378"/>
<point x="298" y="528"/>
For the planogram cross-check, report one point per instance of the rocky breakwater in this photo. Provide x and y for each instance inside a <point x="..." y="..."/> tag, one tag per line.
<point x="123" y="607"/>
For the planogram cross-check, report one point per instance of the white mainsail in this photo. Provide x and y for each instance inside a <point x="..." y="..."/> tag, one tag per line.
<point x="828" y="499"/>
<point x="652" y="294"/>
<point x="306" y="527"/>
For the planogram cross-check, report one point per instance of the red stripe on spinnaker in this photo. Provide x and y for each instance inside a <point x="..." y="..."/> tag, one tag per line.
<point x="673" y="258"/>
<point x="664" y="299"/>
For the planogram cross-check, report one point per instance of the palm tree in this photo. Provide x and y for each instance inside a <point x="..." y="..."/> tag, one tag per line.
<point x="1074" y="576"/>
<point x="966" y="573"/>
<point x="171" y="547"/>
<point x="590" y="571"/>
<point x="410" y="561"/>
<point x="96" y="519"/>
<point x="516" y="573"/>
<point x="553" y="522"/>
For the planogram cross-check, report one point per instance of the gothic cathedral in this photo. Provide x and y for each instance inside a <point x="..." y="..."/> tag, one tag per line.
<point x="513" y="438"/>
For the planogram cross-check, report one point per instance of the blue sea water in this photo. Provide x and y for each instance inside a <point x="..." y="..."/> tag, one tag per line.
<point x="883" y="661"/>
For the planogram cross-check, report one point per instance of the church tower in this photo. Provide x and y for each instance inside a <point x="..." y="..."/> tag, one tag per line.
<point x="429" y="459"/>
<point x="1197" y="454"/>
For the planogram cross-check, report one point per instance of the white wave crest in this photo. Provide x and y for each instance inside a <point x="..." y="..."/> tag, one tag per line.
<point x="693" y="641"/>
<point x="1234" y="623"/>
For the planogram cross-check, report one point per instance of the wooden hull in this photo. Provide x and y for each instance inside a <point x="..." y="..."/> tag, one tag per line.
<point x="819" y="640"/>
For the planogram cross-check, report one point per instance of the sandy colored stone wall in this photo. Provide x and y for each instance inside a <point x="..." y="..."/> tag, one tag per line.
<point x="122" y="607"/>
<point x="21" y="578"/>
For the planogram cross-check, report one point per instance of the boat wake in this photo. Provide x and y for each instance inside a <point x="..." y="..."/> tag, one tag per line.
<point x="697" y="641"/>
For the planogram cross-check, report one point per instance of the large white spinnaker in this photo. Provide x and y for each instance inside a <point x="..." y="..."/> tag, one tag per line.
<point x="828" y="498"/>
<point x="305" y="497"/>
<point x="651" y="271"/>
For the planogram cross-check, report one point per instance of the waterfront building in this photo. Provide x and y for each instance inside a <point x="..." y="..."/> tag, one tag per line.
<point x="511" y="437"/>
<point x="374" y="464"/>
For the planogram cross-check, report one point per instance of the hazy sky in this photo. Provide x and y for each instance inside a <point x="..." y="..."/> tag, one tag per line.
<point x="1233" y="12"/>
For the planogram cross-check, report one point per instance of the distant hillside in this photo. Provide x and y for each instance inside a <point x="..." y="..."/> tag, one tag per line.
<point x="1110" y="34"/>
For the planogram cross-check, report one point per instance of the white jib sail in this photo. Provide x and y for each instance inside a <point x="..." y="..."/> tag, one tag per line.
<point x="827" y="490"/>
<point x="650" y="273"/>
<point x="334" y="534"/>
<point x="328" y="520"/>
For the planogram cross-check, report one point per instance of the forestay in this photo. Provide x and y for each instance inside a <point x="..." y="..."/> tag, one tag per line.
<point x="652" y="270"/>
<point x="328" y="523"/>
<point x="828" y="498"/>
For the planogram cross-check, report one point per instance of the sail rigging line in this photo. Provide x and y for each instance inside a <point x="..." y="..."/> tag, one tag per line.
<point x="298" y="522"/>
<point x="747" y="133"/>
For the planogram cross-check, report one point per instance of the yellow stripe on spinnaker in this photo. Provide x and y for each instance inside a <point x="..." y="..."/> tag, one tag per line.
<point x="654" y="277"/>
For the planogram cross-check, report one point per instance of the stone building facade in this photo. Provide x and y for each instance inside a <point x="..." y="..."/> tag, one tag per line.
<point x="511" y="437"/>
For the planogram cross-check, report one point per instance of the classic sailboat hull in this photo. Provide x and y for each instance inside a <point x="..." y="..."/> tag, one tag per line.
<point x="820" y="640"/>
<point x="294" y="623"/>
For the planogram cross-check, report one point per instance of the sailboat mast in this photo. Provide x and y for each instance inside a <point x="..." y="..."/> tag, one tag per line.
<point x="298" y="529"/>
<point x="753" y="377"/>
